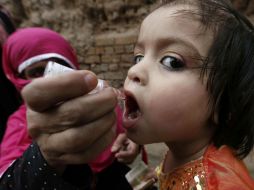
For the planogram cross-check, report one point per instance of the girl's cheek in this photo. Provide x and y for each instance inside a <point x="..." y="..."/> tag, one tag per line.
<point x="164" y="118"/>
<point x="160" y="112"/>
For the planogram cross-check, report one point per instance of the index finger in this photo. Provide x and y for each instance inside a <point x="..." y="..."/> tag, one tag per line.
<point x="44" y="93"/>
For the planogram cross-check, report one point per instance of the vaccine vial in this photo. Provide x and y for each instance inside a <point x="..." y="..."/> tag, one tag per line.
<point x="54" y="68"/>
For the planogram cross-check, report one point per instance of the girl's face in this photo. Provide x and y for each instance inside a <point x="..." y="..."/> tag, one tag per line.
<point x="166" y="101"/>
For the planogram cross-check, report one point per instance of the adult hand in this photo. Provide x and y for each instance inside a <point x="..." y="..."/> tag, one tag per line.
<point x="125" y="149"/>
<point x="69" y="125"/>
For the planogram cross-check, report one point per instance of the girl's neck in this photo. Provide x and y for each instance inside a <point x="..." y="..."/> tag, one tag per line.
<point x="182" y="153"/>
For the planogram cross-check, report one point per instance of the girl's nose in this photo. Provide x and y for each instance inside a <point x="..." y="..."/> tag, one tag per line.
<point x="138" y="74"/>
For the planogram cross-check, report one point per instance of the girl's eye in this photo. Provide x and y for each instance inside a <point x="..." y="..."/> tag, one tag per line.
<point x="172" y="63"/>
<point x="138" y="58"/>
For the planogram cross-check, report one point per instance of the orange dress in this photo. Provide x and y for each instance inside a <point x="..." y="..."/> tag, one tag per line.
<point x="217" y="169"/>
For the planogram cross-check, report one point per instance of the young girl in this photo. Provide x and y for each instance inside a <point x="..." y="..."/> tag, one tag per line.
<point x="26" y="54"/>
<point x="192" y="87"/>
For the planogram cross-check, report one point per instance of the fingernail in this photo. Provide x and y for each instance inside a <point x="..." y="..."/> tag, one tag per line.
<point x="90" y="80"/>
<point x="89" y="77"/>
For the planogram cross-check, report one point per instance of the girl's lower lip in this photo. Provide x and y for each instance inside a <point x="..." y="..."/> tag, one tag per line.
<point x="128" y="122"/>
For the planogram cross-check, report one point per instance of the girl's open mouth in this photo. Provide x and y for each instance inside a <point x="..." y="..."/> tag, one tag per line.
<point x="132" y="110"/>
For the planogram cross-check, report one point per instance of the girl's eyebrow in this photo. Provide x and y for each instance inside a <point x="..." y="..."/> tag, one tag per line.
<point x="138" y="46"/>
<point x="164" y="42"/>
<point x="169" y="41"/>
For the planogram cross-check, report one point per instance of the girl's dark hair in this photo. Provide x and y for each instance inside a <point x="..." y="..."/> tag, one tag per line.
<point x="10" y="99"/>
<point x="230" y="69"/>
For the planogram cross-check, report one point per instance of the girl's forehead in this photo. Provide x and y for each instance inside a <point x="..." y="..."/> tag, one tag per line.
<point x="176" y="22"/>
<point x="174" y="12"/>
<point x="183" y="17"/>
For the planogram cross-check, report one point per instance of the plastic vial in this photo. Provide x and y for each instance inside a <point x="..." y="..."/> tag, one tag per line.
<point x="54" y="68"/>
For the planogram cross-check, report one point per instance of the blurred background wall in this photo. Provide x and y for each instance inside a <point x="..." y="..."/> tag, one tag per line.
<point x="102" y="31"/>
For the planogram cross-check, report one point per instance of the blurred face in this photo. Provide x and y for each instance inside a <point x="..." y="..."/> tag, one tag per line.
<point x="35" y="70"/>
<point x="166" y="101"/>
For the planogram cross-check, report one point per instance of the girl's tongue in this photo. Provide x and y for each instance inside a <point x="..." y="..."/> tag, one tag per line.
<point x="132" y="108"/>
<point x="132" y="111"/>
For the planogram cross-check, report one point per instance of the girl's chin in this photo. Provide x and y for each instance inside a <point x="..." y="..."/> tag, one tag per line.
<point x="133" y="135"/>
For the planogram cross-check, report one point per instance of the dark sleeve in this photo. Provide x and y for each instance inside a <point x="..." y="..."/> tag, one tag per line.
<point x="31" y="172"/>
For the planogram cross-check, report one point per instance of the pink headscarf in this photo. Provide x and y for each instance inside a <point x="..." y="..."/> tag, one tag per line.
<point x="30" y="45"/>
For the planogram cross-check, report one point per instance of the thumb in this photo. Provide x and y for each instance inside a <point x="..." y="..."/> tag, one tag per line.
<point x="118" y="144"/>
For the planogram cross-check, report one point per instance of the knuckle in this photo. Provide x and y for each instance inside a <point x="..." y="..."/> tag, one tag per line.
<point x="69" y="115"/>
<point x="33" y="126"/>
<point x="45" y="147"/>
<point x="31" y="94"/>
<point x="71" y="142"/>
<point x="33" y="131"/>
<point x="74" y="140"/>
